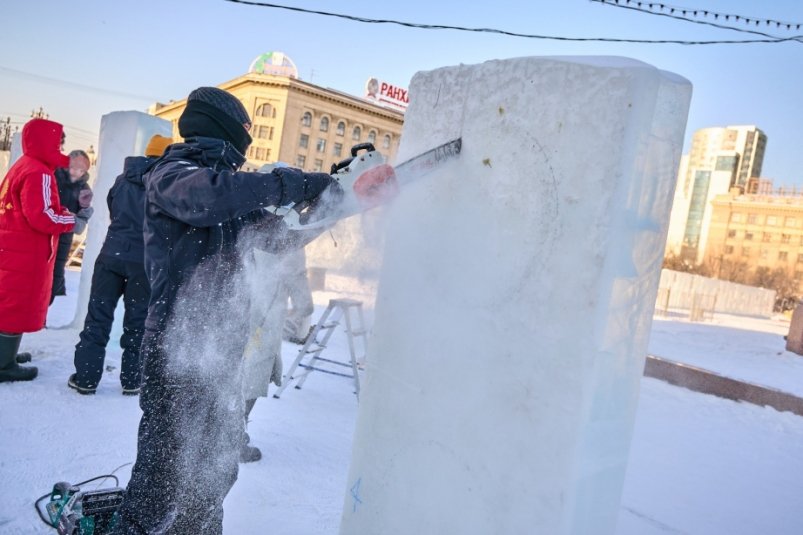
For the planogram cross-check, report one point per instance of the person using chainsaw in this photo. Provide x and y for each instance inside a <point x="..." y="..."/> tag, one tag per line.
<point x="31" y="220"/>
<point x="202" y="217"/>
<point x="119" y="272"/>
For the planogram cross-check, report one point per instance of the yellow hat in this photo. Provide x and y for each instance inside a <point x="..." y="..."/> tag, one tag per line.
<point x="157" y="145"/>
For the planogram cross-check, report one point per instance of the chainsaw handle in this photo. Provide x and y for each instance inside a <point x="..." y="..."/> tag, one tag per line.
<point x="362" y="146"/>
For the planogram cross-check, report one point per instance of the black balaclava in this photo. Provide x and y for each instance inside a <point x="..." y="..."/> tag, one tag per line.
<point x="212" y="112"/>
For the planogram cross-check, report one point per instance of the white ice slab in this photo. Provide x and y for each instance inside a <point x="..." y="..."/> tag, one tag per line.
<point x="539" y="251"/>
<point x="122" y="134"/>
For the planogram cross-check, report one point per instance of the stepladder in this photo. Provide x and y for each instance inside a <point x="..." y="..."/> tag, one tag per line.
<point x="310" y="357"/>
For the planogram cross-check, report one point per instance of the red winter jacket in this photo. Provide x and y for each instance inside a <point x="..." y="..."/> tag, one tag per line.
<point x="31" y="219"/>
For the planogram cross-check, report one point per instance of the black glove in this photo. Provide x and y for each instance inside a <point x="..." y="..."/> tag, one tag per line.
<point x="316" y="183"/>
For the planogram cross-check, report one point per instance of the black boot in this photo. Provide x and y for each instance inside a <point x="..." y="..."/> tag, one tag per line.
<point x="22" y="358"/>
<point x="9" y="369"/>
<point x="248" y="453"/>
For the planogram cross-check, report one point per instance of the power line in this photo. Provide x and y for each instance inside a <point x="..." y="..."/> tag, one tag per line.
<point x="505" y="32"/>
<point x="636" y="6"/>
<point x="699" y="12"/>
<point x="75" y="85"/>
<point x="71" y="130"/>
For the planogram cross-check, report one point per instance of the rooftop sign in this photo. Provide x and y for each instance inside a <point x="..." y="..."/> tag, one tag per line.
<point x="275" y="63"/>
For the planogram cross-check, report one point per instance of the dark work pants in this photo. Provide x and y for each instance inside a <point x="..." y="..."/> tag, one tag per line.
<point x="62" y="254"/>
<point x="112" y="279"/>
<point x="188" y="447"/>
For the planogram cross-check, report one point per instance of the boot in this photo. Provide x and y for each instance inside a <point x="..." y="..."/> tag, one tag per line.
<point x="22" y="358"/>
<point x="9" y="369"/>
<point x="248" y="453"/>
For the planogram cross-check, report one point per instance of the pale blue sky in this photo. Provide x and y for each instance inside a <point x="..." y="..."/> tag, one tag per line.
<point x="83" y="58"/>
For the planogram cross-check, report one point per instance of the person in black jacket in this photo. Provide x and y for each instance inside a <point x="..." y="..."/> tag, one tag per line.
<point x="75" y="195"/>
<point x="202" y="216"/>
<point x="119" y="271"/>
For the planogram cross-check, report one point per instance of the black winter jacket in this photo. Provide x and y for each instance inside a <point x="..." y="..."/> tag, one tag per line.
<point x="126" y="201"/>
<point x="69" y="190"/>
<point x="201" y="212"/>
<point x="68" y="195"/>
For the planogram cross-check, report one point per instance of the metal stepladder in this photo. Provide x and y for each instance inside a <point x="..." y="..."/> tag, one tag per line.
<point x="338" y="309"/>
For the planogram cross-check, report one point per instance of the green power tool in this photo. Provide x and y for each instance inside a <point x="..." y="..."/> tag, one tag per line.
<point x="73" y="511"/>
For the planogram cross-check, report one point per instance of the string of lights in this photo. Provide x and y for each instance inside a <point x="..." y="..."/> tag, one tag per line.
<point x="698" y="12"/>
<point x="635" y="7"/>
<point x="509" y="33"/>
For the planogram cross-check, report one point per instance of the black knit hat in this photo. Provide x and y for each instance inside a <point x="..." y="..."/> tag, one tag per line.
<point x="212" y="112"/>
<point x="222" y="100"/>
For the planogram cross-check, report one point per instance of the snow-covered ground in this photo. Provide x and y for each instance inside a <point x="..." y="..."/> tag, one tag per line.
<point x="699" y="464"/>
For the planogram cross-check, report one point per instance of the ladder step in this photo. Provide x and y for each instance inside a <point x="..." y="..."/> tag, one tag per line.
<point x="330" y="372"/>
<point x="316" y="350"/>
<point x="337" y="362"/>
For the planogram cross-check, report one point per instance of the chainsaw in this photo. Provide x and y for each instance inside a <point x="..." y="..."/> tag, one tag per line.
<point x="365" y="181"/>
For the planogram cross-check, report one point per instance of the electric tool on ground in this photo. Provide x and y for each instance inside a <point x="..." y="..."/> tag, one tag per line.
<point x="73" y="511"/>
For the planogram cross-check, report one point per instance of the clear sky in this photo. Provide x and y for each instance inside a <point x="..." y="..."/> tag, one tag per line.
<point x="80" y="59"/>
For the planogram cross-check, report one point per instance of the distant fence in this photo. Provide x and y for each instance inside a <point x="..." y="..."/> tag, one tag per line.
<point x="703" y="296"/>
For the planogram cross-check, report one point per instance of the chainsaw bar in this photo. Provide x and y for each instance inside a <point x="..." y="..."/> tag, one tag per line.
<point x="419" y="166"/>
<point x="367" y="182"/>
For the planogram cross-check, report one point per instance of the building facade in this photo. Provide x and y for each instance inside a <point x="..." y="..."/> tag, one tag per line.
<point x="719" y="159"/>
<point x="757" y="230"/>
<point x="301" y="124"/>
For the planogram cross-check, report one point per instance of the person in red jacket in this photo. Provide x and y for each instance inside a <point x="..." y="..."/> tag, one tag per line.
<point x="31" y="220"/>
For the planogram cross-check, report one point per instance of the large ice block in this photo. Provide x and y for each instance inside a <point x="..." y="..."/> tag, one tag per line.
<point x="122" y="134"/>
<point x="515" y="299"/>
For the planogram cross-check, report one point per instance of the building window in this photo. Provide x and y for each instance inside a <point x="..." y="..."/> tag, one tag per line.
<point x="790" y="222"/>
<point x="324" y="124"/>
<point x="372" y="136"/>
<point x="786" y="238"/>
<point x="772" y="220"/>
<point x="341" y="129"/>
<point x="260" y="153"/>
<point x="337" y="149"/>
<point x="748" y="236"/>
<point x="766" y="237"/>
<point x="752" y="219"/>
<point x="729" y="249"/>
<point x="356" y="134"/>
<point x="731" y="234"/>
<point x="266" y="110"/>
<point x="745" y="251"/>
<point x="783" y="255"/>
<point x="318" y="165"/>
<point x="386" y="142"/>
<point x="764" y="254"/>
<point x="306" y="119"/>
<point x="303" y="141"/>
<point x="800" y="258"/>
<point x="736" y="217"/>
<point x="798" y="275"/>
<point x="264" y="132"/>
<point x="301" y="161"/>
<point x="321" y="145"/>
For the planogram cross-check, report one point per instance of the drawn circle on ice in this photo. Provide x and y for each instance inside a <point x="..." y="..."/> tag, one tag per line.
<point x="486" y="232"/>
